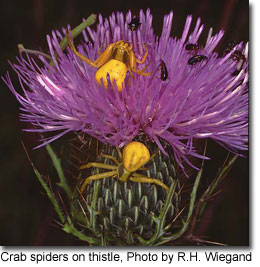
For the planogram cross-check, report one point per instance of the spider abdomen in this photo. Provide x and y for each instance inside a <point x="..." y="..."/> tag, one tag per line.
<point x="135" y="155"/>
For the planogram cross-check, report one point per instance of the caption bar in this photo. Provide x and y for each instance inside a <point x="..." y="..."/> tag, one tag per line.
<point x="126" y="256"/>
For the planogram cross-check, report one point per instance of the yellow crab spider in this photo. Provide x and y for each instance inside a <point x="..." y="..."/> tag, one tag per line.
<point x="116" y="60"/>
<point x="135" y="155"/>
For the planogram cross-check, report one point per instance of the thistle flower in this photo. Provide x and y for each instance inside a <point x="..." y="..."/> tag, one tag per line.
<point x="204" y="96"/>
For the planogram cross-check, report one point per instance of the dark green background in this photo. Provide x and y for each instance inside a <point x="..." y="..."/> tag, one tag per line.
<point x="26" y="216"/>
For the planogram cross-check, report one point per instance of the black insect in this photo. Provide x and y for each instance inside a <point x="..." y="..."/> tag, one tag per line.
<point x="236" y="72"/>
<point x="192" y="47"/>
<point x="164" y="71"/>
<point x="196" y="59"/>
<point x="230" y="46"/>
<point x="134" y="24"/>
<point x="237" y="55"/>
<point x="240" y="58"/>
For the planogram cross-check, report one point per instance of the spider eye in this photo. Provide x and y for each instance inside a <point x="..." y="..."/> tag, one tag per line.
<point x="135" y="155"/>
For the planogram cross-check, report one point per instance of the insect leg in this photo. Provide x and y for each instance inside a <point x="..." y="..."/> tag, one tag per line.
<point x="144" y="179"/>
<point x="97" y="177"/>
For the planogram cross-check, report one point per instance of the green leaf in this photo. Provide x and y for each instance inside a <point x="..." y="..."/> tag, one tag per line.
<point x="57" y="165"/>
<point x="50" y="195"/>
<point x="216" y="181"/>
<point x="70" y="229"/>
<point x="160" y="220"/>
<point x="186" y="222"/>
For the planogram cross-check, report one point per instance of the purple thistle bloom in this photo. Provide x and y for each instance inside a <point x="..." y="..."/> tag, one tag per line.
<point x="200" y="100"/>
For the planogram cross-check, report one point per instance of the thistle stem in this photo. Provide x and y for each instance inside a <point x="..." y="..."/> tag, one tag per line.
<point x="33" y="52"/>
<point x="77" y="30"/>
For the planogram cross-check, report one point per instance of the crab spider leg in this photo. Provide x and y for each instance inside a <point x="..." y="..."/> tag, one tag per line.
<point x="144" y="58"/>
<point x="144" y="179"/>
<point x="97" y="177"/>
<point x="98" y="165"/>
<point x="153" y="155"/>
<point x="111" y="157"/>
<point x="99" y="53"/>
<point x="71" y="45"/>
<point x="140" y="72"/>
<point x="104" y="57"/>
<point x="130" y="71"/>
<point x="119" y="153"/>
<point x="145" y="67"/>
<point x="143" y="169"/>
<point x="101" y="60"/>
<point x="133" y="61"/>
